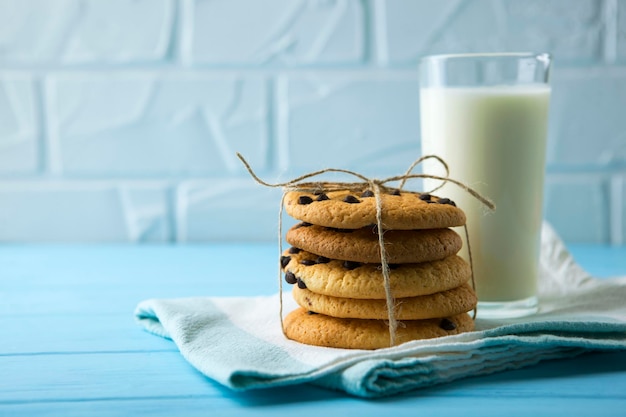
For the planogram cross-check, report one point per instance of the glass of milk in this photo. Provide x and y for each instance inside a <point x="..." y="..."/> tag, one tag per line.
<point x="486" y="115"/>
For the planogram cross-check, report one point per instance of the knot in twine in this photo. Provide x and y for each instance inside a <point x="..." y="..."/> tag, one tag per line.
<point x="378" y="187"/>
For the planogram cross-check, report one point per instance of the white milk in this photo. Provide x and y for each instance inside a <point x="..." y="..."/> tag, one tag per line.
<point x="494" y="140"/>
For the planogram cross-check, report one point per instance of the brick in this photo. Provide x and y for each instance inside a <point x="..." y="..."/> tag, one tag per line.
<point x="87" y="31"/>
<point x="148" y="125"/>
<point x="60" y="211"/>
<point x="587" y="123"/>
<point x="19" y="127"/>
<point x="578" y="207"/>
<point x="367" y="123"/>
<point x="227" y="210"/>
<point x="621" y="30"/>
<point x="570" y="29"/>
<point x="413" y="28"/>
<point x="277" y="31"/>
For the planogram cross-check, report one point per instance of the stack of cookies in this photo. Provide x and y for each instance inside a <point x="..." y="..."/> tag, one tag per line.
<point x="334" y="263"/>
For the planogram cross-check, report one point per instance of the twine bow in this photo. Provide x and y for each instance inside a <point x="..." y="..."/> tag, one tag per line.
<point x="378" y="187"/>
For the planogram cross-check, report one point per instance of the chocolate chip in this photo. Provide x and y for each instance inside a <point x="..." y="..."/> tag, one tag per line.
<point x="446" y="201"/>
<point x="307" y="262"/>
<point x="350" y="265"/>
<point x="425" y="197"/>
<point x="305" y="199"/>
<point x="322" y="197"/>
<point x="302" y="224"/>
<point x="293" y="250"/>
<point x="395" y="192"/>
<point x="290" y="278"/>
<point x="368" y="193"/>
<point x="447" y="324"/>
<point x="322" y="260"/>
<point x="431" y="202"/>
<point x="284" y="260"/>
<point x="351" y="199"/>
<point x="301" y="284"/>
<point x="310" y="313"/>
<point x="335" y="229"/>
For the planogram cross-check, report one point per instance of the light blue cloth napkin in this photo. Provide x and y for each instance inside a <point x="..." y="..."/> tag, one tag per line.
<point x="238" y="341"/>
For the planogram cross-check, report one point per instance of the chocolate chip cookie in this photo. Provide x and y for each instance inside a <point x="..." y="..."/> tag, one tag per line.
<point x="349" y="279"/>
<point x="351" y="210"/>
<point x="442" y="304"/>
<point x="362" y="245"/>
<point x="321" y="330"/>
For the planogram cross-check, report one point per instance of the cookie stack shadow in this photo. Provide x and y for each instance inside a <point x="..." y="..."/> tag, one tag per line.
<point x="334" y="265"/>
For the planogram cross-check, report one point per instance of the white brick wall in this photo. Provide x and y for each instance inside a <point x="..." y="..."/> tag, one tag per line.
<point x="348" y="120"/>
<point x="571" y="29"/>
<point x="92" y="31"/>
<point x="587" y="118"/>
<point x="19" y="125"/>
<point x="83" y="211"/>
<point x="141" y="123"/>
<point x="120" y="119"/>
<point x="617" y="19"/>
<point x="278" y="32"/>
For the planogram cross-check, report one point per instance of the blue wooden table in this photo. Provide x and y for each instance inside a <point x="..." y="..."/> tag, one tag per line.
<point x="69" y="345"/>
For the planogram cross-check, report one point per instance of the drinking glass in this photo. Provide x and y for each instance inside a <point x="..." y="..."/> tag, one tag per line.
<point x="486" y="115"/>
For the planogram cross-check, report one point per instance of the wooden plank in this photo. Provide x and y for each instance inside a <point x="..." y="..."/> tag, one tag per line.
<point x="77" y="333"/>
<point x="65" y="271"/>
<point x="93" y="376"/>
<point x="96" y="301"/>
<point x="45" y="280"/>
<point x="141" y="264"/>
<point x="292" y="403"/>
<point x="97" y="376"/>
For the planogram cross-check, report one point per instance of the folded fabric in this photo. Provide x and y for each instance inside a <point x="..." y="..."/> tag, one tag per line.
<point x="238" y="341"/>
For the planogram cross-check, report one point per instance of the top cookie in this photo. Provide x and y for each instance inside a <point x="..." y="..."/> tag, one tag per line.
<point x="353" y="210"/>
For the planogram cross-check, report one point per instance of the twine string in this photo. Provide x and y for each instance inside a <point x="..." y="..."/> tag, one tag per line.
<point x="378" y="187"/>
<point x="471" y="263"/>
<point x="419" y="161"/>
<point x="280" y="252"/>
<point x="391" y="307"/>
